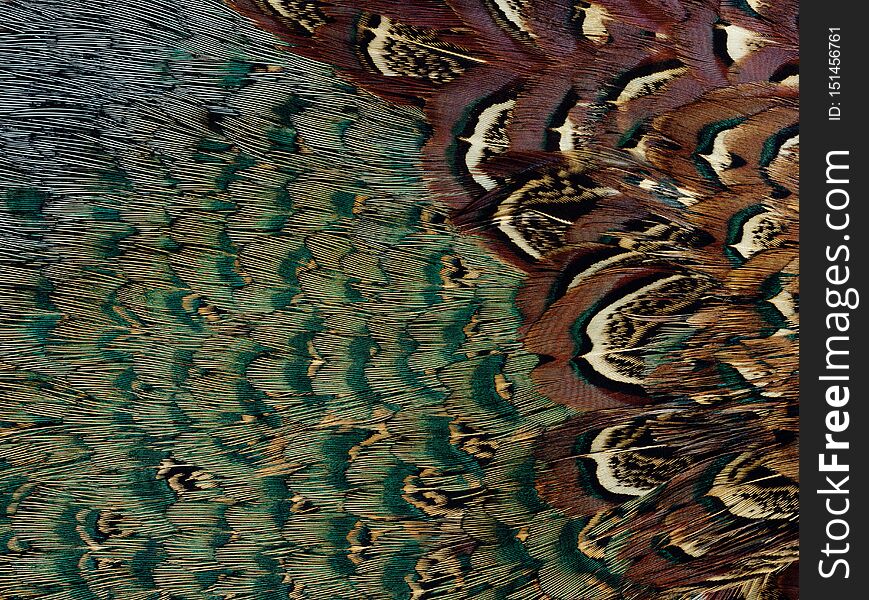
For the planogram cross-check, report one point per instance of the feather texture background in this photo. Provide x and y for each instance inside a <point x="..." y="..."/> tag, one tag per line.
<point x="514" y="317"/>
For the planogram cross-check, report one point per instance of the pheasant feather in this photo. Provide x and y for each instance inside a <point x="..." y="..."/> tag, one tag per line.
<point x="463" y="299"/>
